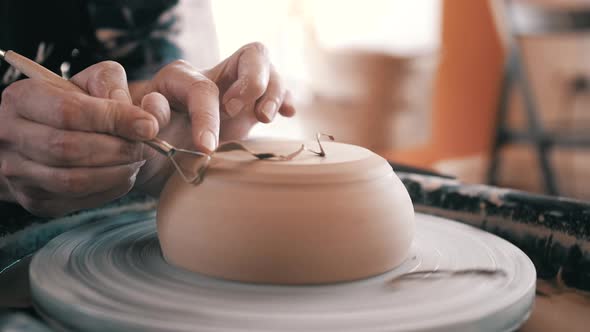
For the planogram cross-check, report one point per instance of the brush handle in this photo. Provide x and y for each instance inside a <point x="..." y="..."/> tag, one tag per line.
<point x="34" y="70"/>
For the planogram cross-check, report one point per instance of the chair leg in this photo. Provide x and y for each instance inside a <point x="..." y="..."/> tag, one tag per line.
<point x="503" y="105"/>
<point x="535" y="129"/>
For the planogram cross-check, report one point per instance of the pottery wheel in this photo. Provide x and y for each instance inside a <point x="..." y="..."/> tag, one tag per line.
<point x="110" y="276"/>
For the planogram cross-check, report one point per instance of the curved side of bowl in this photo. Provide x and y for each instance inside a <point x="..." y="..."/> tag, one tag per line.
<point x="287" y="233"/>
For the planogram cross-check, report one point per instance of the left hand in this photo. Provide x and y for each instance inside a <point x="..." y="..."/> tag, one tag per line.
<point x="251" y="91"/>
<point x="221" y="103"/>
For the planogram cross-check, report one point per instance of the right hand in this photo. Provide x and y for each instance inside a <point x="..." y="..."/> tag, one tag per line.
<point x="62" y="151"/>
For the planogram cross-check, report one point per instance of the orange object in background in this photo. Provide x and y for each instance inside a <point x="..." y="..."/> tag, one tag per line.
<point x="466" y="87"/>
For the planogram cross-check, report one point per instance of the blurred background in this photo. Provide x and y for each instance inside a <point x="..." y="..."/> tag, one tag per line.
<point x="487" y="91"/>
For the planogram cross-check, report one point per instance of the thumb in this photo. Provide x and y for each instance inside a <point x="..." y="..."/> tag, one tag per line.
<point x="105" y="79"/>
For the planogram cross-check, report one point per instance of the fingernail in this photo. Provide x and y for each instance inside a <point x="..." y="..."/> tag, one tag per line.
<point x="269" y="109"/>
<point x="233" y="107"/>
<point x="120" y="95"/>
<point x="137" y="167"/>
<point x="144" y="128"/>
<point x="208" y="140"/>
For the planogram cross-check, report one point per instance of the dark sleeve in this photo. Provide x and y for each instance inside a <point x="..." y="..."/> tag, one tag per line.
<point x="138" y="34"/>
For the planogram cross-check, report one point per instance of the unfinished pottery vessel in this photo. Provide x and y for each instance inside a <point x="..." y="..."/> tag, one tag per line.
<point x="309" y="220"/>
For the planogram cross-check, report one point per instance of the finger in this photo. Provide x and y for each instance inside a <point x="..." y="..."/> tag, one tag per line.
<point x="30" y="191"/>
<point x="56" y="147"/>
<point x="105" y="79"/>
<point x="68" y="182"/>
<point x="109" y="80"/>
<point x="100" y="198"/>
<point x="45" y="204"/>
<point x="287" y="109"/>
<point x="253" y="74"/>
<point x="188" y="89"/>
<point x="157" y="105"/>
<point x="268" y="105"/>
<point x="43" y="103"/>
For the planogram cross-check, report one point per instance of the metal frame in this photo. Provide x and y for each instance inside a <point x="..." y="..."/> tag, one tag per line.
<point x="529" y="20"/>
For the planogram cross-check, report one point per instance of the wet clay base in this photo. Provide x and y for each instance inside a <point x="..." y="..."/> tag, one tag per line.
<point x="310" y="220"/>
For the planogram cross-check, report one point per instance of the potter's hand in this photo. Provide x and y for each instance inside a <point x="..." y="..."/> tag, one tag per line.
<point x="62" y="151"/>
<point x="240" y="91"/>
<point x="250" y="91"/>
<point x="224" y="102"/>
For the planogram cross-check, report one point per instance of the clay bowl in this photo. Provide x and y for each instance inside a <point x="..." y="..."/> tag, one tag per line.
<point x="310" y="220"/>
